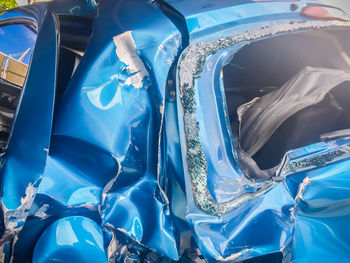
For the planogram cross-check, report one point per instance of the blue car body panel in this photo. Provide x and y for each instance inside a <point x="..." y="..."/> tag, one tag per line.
<point x="76" y="238"/>
<point x="105" y="168"/>
<point x="240" y="220"/>
<point x="24" y="161"/>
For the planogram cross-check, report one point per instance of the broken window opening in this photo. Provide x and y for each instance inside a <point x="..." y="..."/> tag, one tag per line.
<point x="287" y="92"/>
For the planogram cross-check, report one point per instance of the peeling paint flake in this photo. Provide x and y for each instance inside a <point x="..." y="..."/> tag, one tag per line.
<point x="41" y="213"/>
<point x="14" y="219"/>
<point x="128" y="54"/>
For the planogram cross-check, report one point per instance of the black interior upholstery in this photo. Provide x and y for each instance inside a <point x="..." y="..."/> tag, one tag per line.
<point x="266" y="65"/>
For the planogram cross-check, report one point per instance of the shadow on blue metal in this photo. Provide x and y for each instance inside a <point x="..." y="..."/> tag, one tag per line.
<point x="103" y="173"/>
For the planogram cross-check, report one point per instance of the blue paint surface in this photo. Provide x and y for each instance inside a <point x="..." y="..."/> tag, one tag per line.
<point x="71" y="239"/>
<point x="103" y="170"/>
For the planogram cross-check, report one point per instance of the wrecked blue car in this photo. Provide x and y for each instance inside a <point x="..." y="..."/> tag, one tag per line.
<point x="175" y="131"/>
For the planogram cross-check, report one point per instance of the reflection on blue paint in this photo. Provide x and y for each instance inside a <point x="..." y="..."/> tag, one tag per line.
<point x="100" y="175"/>
<point x="65" y="239"/>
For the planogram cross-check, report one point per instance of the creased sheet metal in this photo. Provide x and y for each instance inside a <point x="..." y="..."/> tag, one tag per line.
<point x="105" y="161"/>
<point x="113" y="175"/>
<point x="266" y="222"/>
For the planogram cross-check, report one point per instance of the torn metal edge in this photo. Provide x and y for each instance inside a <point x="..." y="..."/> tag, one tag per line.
<point x="14" y="219"/>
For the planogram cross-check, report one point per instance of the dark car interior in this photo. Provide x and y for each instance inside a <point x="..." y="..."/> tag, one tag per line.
<point x="265" y="66"/>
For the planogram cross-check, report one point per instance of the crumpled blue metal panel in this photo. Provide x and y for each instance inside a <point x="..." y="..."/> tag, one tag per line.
<point x="69" y="240"/>
<point x="104" y="161"/>
<point x="321" y="214"/>
<point x="24" y="161"/>
<point x="301" y="217"/>
<point x="232" y="217"/>
<point x="115" y="176"/>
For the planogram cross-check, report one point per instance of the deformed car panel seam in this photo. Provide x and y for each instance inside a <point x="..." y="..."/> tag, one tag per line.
<point x="318" y="160"/>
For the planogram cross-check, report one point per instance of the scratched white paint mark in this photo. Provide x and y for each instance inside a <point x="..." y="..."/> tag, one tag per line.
<point x="128" y="54"/>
